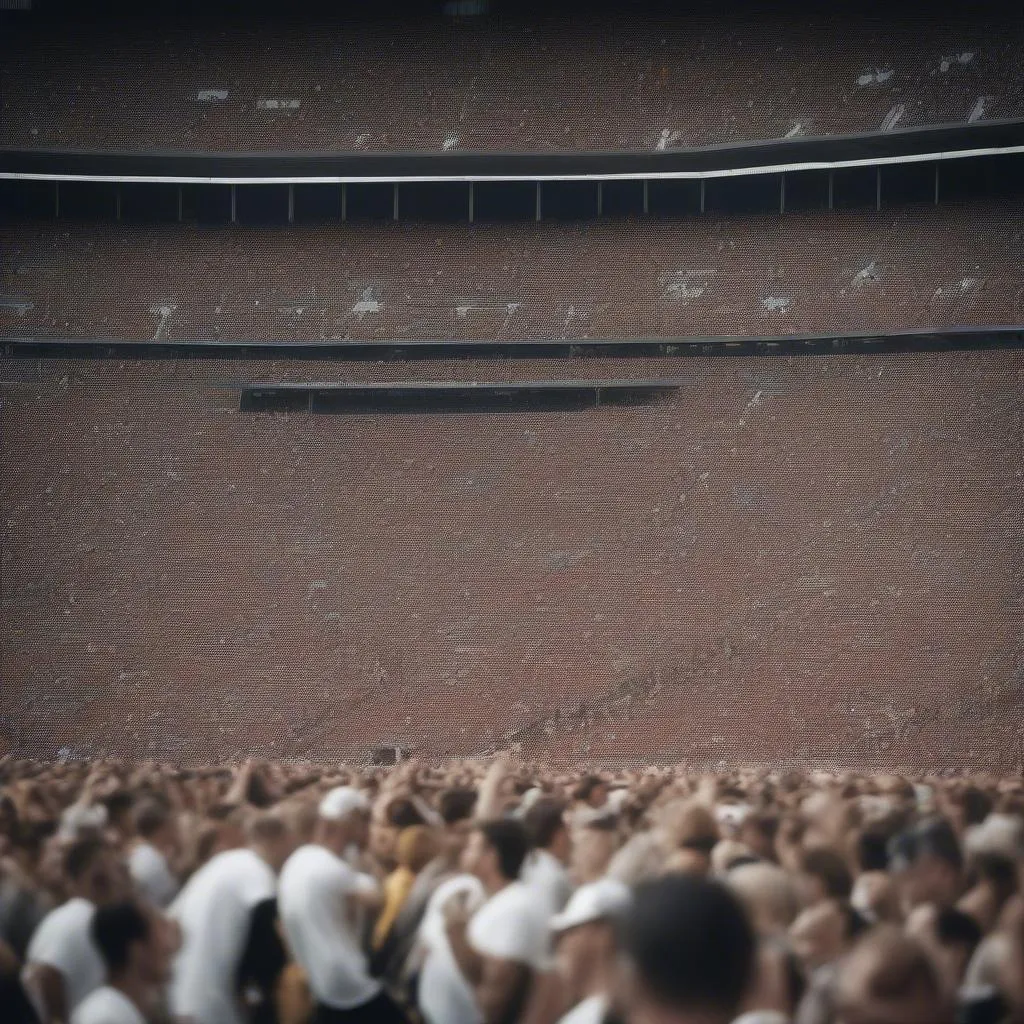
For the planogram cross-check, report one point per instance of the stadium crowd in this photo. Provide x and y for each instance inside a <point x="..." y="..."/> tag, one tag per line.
<point x="506" y="892"/>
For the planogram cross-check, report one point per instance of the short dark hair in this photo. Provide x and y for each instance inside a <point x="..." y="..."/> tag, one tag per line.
<point x="955" y="928"/>
<point x="511" y="842"/>
<point x="117" y="803"/>
<point x="115" y="927"/>
<point x="456" y="804"/>
<point x="932" y="837"/>
<point x="977" y="805"/>
<point x="587" y="786"/>
<point x="150" y="817"/>
<point x="871" y="850"/>
<point x="81" y="855"/>
<point x="544" y="820"/>
<point x="402" y="813"/>
<point x="831" y="869"/>
<point x="690" y="943"/>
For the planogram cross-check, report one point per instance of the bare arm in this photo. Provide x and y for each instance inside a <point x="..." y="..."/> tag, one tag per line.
<point x="46" y="988"/>
<point x="501" y="988"/>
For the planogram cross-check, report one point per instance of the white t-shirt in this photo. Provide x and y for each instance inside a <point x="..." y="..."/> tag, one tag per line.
<point x="549" y="878"/>
<point x="591" y="1011"/>
<point x="443" y="993"/>
<point x="321" y="926"/>
<point x="151" y="874"/>
<point x="513" y="925"/>
<point x="215" y="914"/>
<point x="107" y="1005"/>
<point x="62" y="941"/>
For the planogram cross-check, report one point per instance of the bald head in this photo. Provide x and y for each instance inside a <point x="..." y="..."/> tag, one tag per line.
<point x="769" y="895"/>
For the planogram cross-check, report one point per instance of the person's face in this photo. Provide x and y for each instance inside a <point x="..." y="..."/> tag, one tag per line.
<point x="478" y="858"/>
<point x="561" y="845"/>
<point x="598" y="796"/>
<point x="359" y="829"/>
<point x="928" y="880"/>
<point x="591" y="854"/>
<point x="106" y="879"/>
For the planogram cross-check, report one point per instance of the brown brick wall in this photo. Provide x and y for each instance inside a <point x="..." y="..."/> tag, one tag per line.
<point x="803" y="559"/>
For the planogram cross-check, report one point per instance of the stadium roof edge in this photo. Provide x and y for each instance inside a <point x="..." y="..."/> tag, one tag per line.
<point x="910" y="145"/>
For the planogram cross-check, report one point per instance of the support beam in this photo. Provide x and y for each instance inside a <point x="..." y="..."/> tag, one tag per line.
<point x="831" y="189"/>
<point x="395" y="209"/>
<point x="936" y="184"/>
<point x="878" y="188"/>
<point x="702" y="191"/>
<point x="344" y="201"/>
<point x="56" y="200"/>
<point x="181" y="205"/>
<point x="234" y="206"/>
<point x="291" y="204"/>
<point x="647" y="205"/>
<point x="782" y="193"/>
<point x="600" y="199"/>
<point x="117" y="202"/>
<point x="472" y="201"/>
<point x="537" y="211"/>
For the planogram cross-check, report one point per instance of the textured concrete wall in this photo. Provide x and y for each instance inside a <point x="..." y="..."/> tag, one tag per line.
<point x="808" y="559"/>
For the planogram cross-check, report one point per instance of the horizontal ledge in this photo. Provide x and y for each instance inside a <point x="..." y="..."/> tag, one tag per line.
<point x="609" y="384"/>
<point x="912" y="145"/>
<point x="909" y="340"/>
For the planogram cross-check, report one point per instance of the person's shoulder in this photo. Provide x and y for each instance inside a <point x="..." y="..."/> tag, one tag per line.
<point x="61" y="920"/>
<point x="105" y="1005"/>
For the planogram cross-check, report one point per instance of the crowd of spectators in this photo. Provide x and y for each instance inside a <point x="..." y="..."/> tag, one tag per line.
<point x="506" y="893"/>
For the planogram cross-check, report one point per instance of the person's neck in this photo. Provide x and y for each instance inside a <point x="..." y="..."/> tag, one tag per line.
<point x="135" y="990"/>
<point x="595" y="981"/>
<point x="495" y="883"/>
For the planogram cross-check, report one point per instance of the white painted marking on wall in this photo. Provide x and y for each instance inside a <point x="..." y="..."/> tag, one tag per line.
<point x="164" y="311"/>
<point x="451" y="142"/>
<point x="17" y="306"/>
<point x="979" y="108"/>
<point x="750" y="407"/>
<point x="893" y="117"/>
<point x="668" y="138"/>
<point x="867" y="275"/>
<point x="876" y="77"/>
<point x="776" y="304"/>
<point x="961" y="58"/>
<point x="367" y="304"/>
<point x="362" y="140"/>
<point x="212" y="95"/>
<point x="684" y="285"/>
<point x="278" y="104"/>
<point x="799" y="128"/>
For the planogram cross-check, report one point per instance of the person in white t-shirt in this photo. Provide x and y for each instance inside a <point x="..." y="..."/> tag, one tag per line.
<point x="62" y="964"/>
<point x="217" y="912"/>
<point x="134" y="945"/>
<point x="502" y="947"/>
<point x="323" y="902"/>
<point x="546" y="869"/>
<point x="585" y="950"/>
<point x="149" y="859"/>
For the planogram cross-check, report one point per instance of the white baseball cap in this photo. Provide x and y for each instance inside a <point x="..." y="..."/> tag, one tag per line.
<point x="340" y="802"/>
<point x="594" y="902"/>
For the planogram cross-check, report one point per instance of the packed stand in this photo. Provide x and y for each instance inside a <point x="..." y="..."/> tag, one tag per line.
<point x="507" y="893"/>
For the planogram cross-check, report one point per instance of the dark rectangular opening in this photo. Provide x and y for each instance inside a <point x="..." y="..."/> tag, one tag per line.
<point x="673" y="198"/>
<point x="755" y="193"/>
<point x="371" y="201"/>
<point x="88" y="200"/>
<point x="1004" y="174"/>
<point x="261" y="204"/>
<point x="206" y="204"/>
<point x="854" y="187"/>
<point x="504" y="200"/>
<point x="149" y="203"/>
<point x="28" y="200"/>
<point x="379" y="400"/>
<point x="317" y="203"/>
<point x="436" y="201"/>
<point x="908" y="183"/>
<point x="569" y="200"/>
<point x="807" y="190"/>
<point x="622" y="198"/>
